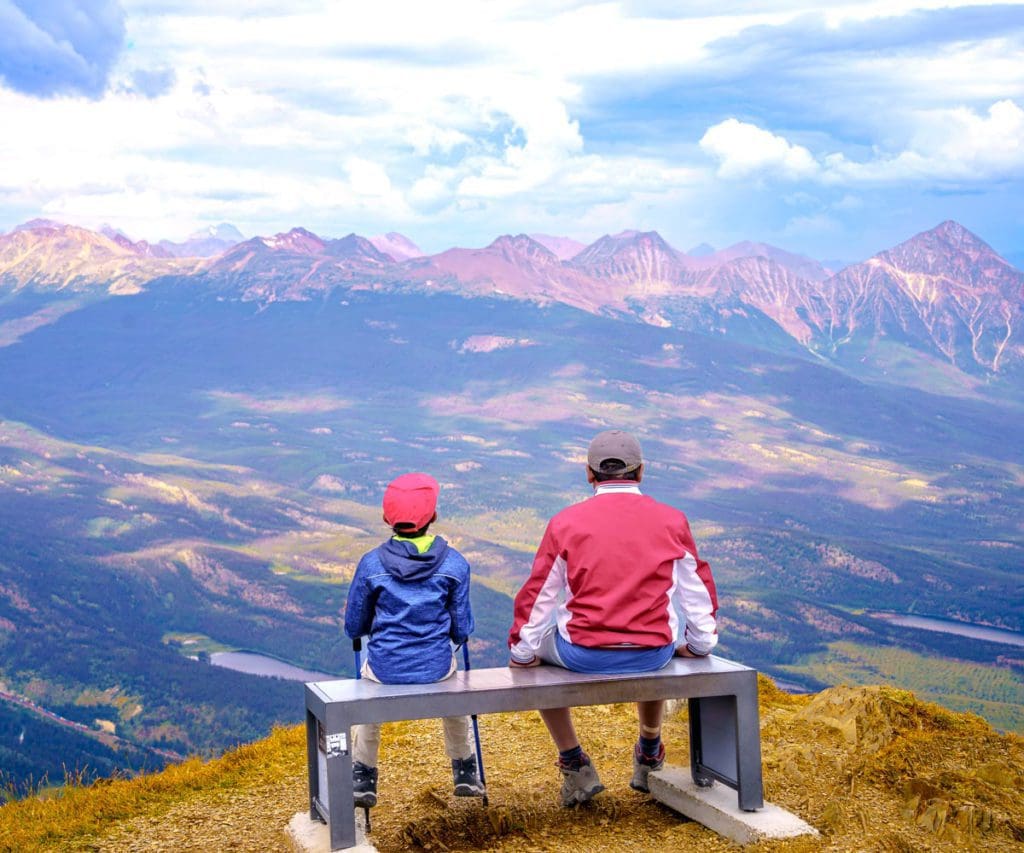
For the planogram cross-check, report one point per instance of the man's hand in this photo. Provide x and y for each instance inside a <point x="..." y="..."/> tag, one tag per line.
<point x="684" y="652"/>
<point x="515" y="664"/>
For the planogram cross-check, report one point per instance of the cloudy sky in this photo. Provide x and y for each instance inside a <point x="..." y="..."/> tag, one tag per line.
<point x="832" y="129"/>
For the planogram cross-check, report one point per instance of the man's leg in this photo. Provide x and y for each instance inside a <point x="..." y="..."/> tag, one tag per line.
<point x="560" y="727"/>
<point x="649" y="752"/>
<point x="580" y="781"/>
<point x="650" y="715"/>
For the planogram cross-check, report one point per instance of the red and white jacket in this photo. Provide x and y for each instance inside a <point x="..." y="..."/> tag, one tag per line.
<point x="618" y="569"/>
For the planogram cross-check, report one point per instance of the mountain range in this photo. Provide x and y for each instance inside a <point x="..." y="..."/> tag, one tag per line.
<point x="944" y="294"/>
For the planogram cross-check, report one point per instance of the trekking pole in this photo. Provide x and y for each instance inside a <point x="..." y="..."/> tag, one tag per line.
<point x="476" y="730"/>
<point x="357" y="648"/>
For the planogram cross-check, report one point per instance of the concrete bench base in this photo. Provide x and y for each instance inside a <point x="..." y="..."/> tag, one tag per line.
<point x="715" y="808"/>
<point x="312" y="836"/>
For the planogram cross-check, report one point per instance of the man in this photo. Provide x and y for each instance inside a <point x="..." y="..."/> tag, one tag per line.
<point x="616" y="587"/>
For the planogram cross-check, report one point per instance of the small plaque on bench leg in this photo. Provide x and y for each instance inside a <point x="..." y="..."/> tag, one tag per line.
<point x="716" y="808"/>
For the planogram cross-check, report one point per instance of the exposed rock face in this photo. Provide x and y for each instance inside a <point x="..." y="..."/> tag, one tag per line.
<point x="943" y="290"/>
<point x="805" y="268"/>
<point x="771" y="288"/>
<point x="641" y="260"/>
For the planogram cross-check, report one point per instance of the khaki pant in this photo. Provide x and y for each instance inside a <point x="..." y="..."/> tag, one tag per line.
<point x="458" y="733"/>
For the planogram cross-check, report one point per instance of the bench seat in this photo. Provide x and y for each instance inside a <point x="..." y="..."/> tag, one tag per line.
<point x="725" y="742"/>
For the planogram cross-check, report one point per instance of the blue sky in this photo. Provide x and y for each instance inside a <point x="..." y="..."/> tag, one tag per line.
<point x="832" y="129"/>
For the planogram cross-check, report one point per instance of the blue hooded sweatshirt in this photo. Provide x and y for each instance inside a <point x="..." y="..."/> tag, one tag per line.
<point x="411" y="605"/>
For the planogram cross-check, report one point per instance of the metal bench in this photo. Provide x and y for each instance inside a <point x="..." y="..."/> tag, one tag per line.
<point x="725" y="740"/>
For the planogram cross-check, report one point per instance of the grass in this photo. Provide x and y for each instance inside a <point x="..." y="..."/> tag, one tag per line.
<point x="191" y="644"/>
<point x="74" y="814"/>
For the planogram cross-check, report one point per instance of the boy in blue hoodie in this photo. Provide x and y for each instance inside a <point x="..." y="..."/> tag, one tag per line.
<point x="411" y="596"/>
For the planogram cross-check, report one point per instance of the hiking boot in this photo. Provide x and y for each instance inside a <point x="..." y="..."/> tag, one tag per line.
<point x="579" y="783"/>
<point x="643" y="765"/>
<point x="467" y="783"/>
<point x="364" y="785"/>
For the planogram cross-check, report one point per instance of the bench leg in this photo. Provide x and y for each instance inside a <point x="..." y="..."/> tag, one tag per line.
<point x="700" y="778"/>
<point x="311" y="764"/>
<point x="339" y="786"/>
<point x="725" y="743"/>
<point x="748" y="747"/>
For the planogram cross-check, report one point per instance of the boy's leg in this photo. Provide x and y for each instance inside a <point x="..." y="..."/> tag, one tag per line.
<point x="458" y="737"/>
<point x="366" y="738"/>
<point x="365" y="747"/>
<point x="365" y="750"/>
<point x="366" y="743"/>
<point x="458" y="732"/>
<point x="460" y="748"/>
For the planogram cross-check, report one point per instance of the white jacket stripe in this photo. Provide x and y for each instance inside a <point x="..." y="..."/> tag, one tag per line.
<point x="691" y="596"/>
<point x="542" y="613"/>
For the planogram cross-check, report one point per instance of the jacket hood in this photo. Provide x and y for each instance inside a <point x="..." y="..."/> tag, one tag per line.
<point x="404" y="562"/>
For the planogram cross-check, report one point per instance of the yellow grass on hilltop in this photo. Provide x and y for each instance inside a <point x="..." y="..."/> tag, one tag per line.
<point x="871" y="768"/>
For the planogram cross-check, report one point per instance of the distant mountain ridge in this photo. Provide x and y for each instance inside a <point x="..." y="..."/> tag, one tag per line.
<point x="943" y="292"/>
<point x="205" y="243"/>
<point x="398" y="246"/>
<point x="49" y="256"/>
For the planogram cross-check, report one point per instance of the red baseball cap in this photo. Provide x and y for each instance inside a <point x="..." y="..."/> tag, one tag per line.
<point x="411" y="500"/>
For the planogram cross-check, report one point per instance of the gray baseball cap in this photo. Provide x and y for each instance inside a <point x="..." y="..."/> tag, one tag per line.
<point x="614" y="452"/>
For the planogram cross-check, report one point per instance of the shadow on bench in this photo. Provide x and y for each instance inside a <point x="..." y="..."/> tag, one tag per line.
<point x="725" y="740"/>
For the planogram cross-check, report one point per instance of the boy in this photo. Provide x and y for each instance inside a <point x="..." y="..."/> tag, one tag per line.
<point x="411" y="596"/>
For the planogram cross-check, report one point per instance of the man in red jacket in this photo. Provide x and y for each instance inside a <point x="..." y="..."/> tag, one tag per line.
<point x="616" y="586"/>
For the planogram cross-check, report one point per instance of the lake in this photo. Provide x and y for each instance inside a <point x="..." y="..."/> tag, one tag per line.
<point x="950" y="626"/>
<point x="256" y="664"/>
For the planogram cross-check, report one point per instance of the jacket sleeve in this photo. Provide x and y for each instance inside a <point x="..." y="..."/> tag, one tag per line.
<point x="460" y="610"/>
<point x="536" y="603"/>
<point x="359" y="606"/>
<point x="695" y="599"/>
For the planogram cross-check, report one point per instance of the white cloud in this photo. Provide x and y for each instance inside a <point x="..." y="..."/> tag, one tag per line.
<point x="743" y="150"/>
<point x="368" y="178"/>
<point x="947" y="145"/>
<point x="973" y="144"/>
